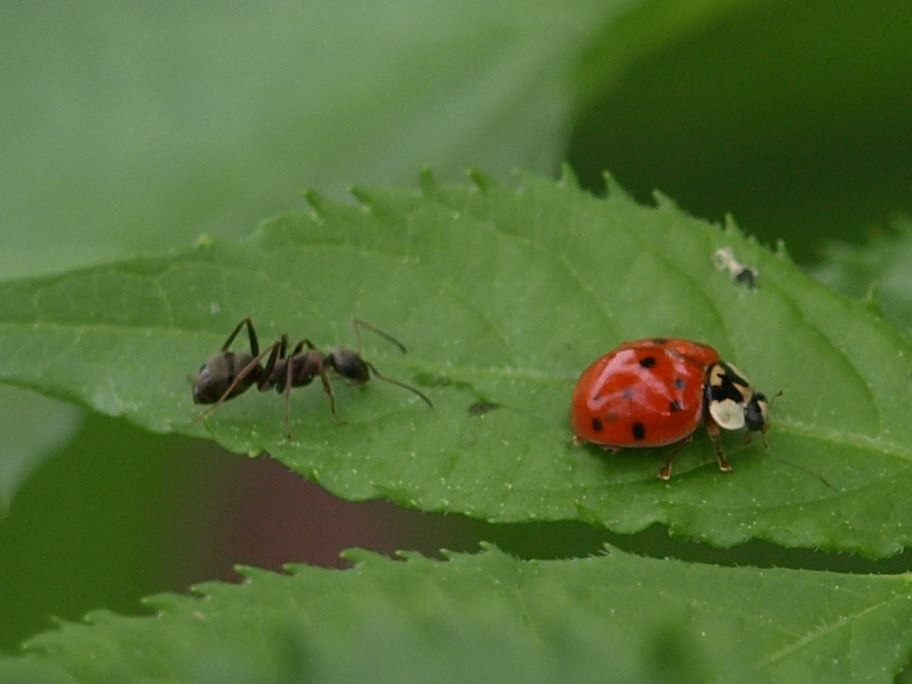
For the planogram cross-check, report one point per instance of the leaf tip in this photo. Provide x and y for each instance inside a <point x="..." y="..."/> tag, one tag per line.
<point x="729" y="225"/>
<point x="871" y="301"/>
<point x="613" y="188"/>
<point x="491" y="549"/>
<point x="587" y="514"/>
<point x="781" y="250"/>
<point x="481" y="180"/>
<point x="426" y="180"/>
<point x="359" y="557"/>
<point x="665" y="202"/>
<point x="161" y="603"/>
<point x="567" y="177"/>
<point x="317" y="203"/>
<point x="363" y="196"/>
<point x="204" y="241"/>
<point x="247" y="572"/>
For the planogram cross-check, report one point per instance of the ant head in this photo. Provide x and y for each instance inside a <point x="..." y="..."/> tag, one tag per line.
<point x="216" y="375"/>
<point x="349" y="365"/>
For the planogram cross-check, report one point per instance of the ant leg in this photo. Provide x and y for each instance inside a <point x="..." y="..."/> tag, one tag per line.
<point x="357" y="324"/>
<point x="288" y="373"/>
<point x="279" y="350"/>
<point x="238" y="379"/>
<point x="319" y="360"/>
<point x="300" y="346"/>
<point x="327" y="387"/>
<point x="398" y="383"/>
<point x="251" y="335"/>
<point x="312" y="359"/>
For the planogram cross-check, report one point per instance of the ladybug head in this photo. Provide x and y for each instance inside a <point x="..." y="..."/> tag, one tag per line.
<point x="732" y="402"/>
<point x="756" y="413"/>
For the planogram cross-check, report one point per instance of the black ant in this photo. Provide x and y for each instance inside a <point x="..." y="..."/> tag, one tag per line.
<point x="229" y="374"/>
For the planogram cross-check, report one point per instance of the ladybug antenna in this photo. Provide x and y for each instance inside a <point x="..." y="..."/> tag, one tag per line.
<point x="804" y="470"/>
<point x="769" y="404"/>
<point x="811" y="473"/>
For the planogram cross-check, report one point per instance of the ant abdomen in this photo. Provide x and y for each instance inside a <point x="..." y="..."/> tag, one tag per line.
<point x="215" y="377"/>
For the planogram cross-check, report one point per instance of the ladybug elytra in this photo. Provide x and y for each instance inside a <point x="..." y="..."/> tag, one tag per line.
<point x="655" y="392"/>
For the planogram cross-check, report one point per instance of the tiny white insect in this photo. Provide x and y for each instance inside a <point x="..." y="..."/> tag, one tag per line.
<point x="724" y="260"/>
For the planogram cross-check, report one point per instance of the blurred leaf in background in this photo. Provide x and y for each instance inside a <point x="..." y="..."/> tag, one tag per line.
<point x="881" y="271"/>
<point x="130" y="128"/>
<point x="794" y="117"/>
<point x="28" y="446"/>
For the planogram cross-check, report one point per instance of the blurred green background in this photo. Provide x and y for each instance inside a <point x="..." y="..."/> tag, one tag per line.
<point x="128" y="127"/>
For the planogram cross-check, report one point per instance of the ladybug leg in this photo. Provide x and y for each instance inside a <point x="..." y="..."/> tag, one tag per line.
<point x="576" y="441"/>
<point x="715" y="434"/>
<point x="748" y="438"/>
<point x="665" y="472"/>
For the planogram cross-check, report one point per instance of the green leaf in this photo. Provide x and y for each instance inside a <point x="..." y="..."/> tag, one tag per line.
<point x="880" y="270"/>
<point x="489" y="617"/>
<point x="503" y="296"/>
<point x="31" y="671"/>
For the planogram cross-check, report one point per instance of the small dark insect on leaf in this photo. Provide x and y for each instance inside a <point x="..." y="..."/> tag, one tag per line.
<point x="479" y="408"/>
<point x="725" y="260"/>
<point x="229" y="374"/>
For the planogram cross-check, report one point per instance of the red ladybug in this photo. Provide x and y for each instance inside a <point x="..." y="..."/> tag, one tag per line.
<point x="654" y="392"/>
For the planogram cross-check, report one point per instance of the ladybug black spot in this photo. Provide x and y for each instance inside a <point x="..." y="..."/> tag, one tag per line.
<point x="674" y="406"/>
<point x="735" y="378"/>
<point x="627" y="394"/>
<point x="596" y="425"/>
<point x="728" y="386"/>
<point x="680" y="383"/>
<point x="639" y="431"/>
<point x="648" y="361"/>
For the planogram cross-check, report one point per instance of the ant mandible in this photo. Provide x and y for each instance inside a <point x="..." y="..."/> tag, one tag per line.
<point x="229" y="374"/>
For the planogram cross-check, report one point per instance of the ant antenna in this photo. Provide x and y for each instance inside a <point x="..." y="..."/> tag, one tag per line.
<point x="352" y="373"/>
<point x="357" y="324"/>
<point x="399" y="383"/>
